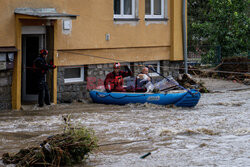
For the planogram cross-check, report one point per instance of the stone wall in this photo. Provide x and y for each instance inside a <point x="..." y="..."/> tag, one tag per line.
<point x="5" y="89"/>
<point x="97" y="73"/>
<point x="170" y="68"/>
<point x="68" y="92"/>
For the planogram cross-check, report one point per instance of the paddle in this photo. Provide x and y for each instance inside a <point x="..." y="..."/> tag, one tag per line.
<point x="152" y="69"/>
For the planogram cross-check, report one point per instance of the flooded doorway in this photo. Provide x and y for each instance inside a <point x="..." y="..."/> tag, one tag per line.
<point x="33" y="40"/>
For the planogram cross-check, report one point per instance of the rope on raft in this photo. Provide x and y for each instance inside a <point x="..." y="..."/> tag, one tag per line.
<point x="118" y="97"/>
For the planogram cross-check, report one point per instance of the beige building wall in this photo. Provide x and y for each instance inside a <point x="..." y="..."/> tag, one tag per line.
<point x="88" y="31"/>
<point x="94" y="21"/>
<point x="130" y="41"/>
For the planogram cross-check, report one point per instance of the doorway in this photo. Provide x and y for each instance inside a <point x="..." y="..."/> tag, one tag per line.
<point x="31" y="44"/>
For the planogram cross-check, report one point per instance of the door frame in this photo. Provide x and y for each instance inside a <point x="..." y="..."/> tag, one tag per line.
<point x="20" y="21"/>
<point x="42" y="41"/>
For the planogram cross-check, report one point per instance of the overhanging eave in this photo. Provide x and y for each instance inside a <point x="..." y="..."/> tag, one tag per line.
<point x="44" y="13"/>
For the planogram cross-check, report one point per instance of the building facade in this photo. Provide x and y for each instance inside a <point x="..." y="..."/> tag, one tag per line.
<point x="83" y="38"/>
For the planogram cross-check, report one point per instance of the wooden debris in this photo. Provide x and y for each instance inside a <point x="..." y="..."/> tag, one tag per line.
<point x="188" y="82"/>
<point x="70" y="147"/>
<point x="231" y="68"/>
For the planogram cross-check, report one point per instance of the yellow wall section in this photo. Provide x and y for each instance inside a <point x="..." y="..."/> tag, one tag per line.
<point x="176" y="31"/>
<point x="110" y="55"/>
<point x="16" y="80"/>
<point x="89" y="29"/>
<point x="55" y="62"/>
<point x="95" y="20"/>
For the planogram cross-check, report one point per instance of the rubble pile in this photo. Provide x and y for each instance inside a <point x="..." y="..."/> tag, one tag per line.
<point x="239" y="66"/>
<point x="233" y="68"/>
<point x="70" y="147"/>
<point x="189" y="83"/>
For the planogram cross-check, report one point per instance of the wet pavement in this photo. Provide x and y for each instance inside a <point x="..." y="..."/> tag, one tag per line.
<point x="214" y="133"/>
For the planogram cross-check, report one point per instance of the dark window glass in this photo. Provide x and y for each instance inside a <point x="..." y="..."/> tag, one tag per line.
<point x="117" y="6"/>
<point x="157" y="7"/>
<point x="148" y="7"/>
<point x="127" y="7"/>
<point x="72" y="73"/>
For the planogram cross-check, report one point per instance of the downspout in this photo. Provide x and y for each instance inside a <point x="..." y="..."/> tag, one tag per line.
<point x="184" y="34"/>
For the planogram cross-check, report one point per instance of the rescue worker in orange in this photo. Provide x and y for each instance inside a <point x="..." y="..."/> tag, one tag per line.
<point x="114" y="80"/>
<point x="41" y="68"/>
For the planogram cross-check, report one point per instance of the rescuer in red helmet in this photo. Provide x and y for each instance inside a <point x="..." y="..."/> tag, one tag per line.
<point x="114" y="80"/>
<point x="41" y="67"/>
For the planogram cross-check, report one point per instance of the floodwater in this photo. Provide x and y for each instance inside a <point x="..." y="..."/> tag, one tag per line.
<point x="214" y="133"/>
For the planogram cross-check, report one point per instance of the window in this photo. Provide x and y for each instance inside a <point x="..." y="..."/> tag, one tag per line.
<point x="124" y="8"/>
<point x="75" y="74"/>
<point x="6" y="60"/>
<point x="154" y="8"/>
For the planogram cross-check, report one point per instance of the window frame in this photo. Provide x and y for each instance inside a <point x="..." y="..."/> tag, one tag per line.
<point x="122" y="15"/>
<point x="152" y="16"/>
<point x="72" y="80"/>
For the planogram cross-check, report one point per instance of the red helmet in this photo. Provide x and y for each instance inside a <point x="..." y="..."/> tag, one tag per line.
<point x="117" y="65"/>
<point x="43" y="52"/>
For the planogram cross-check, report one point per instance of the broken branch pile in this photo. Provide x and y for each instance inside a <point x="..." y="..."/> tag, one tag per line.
<point x="240" y="66"/>
<point x="68" y="148"/>
<point x="188" y="82"/>
<point x="232" y="68"/>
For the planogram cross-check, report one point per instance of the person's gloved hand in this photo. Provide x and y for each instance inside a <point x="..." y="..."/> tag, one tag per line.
<point x="126" y="68"/>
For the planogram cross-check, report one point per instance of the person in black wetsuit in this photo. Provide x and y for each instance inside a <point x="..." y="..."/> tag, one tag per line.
<point x="41" y="67"/>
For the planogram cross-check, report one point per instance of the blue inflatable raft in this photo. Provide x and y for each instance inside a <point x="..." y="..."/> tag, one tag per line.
<point x="179" y="99"/>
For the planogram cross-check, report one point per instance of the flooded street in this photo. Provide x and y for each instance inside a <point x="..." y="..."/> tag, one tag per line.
<point x="214" y="133"/>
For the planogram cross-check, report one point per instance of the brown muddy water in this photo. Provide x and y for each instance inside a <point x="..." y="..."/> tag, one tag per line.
<point x="214" y="133"/>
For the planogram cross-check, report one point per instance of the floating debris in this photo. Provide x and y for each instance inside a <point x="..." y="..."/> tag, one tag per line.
<point x="188" y="82"/>
<point x="202" y="145"/>
<point x="145" y="155"/>
<point x="71" y="147"/>
<point x="207" y="131"/>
